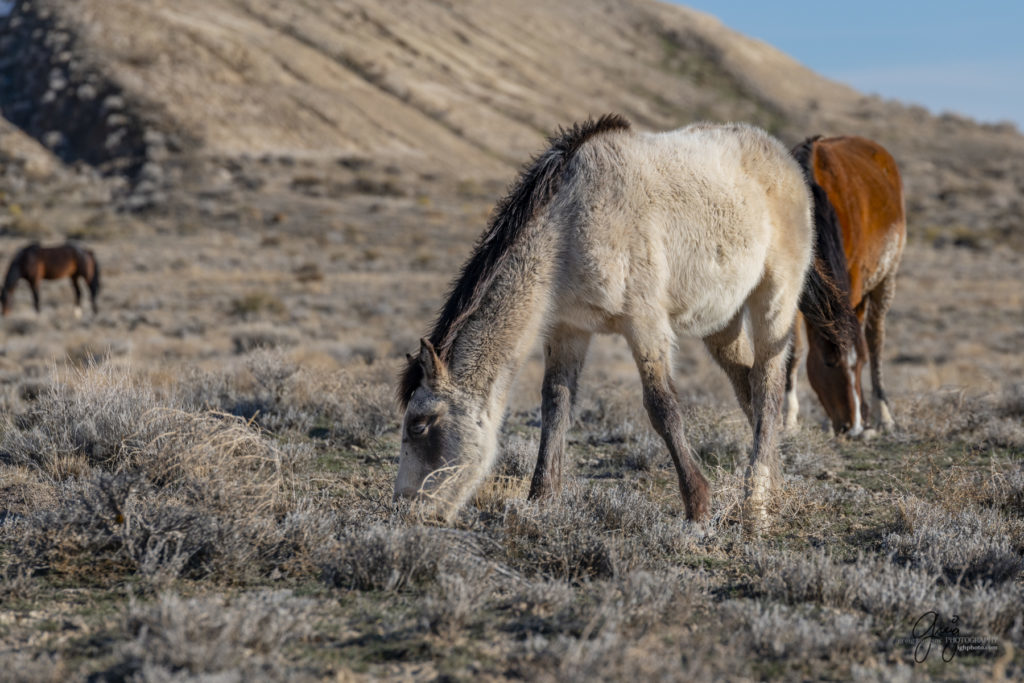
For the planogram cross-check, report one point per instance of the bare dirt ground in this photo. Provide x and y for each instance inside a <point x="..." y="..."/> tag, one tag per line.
<point x="196" y="481"/>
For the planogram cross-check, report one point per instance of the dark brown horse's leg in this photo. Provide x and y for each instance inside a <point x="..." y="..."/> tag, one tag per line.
<point x="564" y="354"/>
<point x="652" y="348"/>
<point x="78" y="296"/>
<point x="881" y="299"/>
<point x="34" y="286"/>
<point x="730" y="347"/>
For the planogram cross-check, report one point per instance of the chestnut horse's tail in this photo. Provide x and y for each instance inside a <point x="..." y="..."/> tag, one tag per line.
<point x="825" y="301"/>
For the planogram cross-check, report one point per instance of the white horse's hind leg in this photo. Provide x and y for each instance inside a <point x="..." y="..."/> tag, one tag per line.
<point x="564" y="353"/>
<point x="651" y="343"/>
<point x="772" y="313"/>
<point x="730" y="347"/>
<point x="880" y="300"/>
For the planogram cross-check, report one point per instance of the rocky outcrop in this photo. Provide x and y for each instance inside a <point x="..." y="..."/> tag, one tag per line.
<point x="50" y="90"/>
<point x="54" y="89"/>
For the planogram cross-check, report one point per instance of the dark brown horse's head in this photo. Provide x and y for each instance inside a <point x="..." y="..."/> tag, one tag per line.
<point x="834" y="374"/>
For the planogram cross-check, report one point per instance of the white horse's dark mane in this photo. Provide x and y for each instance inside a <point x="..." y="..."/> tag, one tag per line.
<point x="532" y="191"/>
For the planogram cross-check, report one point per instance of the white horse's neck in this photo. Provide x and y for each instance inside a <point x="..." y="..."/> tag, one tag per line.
<point x="497" y="337"/>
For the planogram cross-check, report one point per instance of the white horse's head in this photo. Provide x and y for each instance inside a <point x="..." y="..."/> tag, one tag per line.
<point x="447" y="440"/>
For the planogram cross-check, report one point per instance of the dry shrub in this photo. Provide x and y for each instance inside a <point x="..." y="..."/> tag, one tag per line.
<point x="383" y="558"/>
<point x="875" y="673"/>
<point x="154" y="490"/>
<point x="808" y="451"/>
<point x="720" y="438"/>
<point x="939" y="415"/>
<point x="994" y="420"/>
<point x="517" y="457"/>
<point x="611" y="414"/>
<point x="34" y="667"/>
<point x="117" y="524"/>
<point x="591" y="532"/>
<point x="1001" y="486"/>
<point x="889" y="592"/>
<point x="1001" y="432"/>
<point x="255" y="304"/>
<point x="100" y="416"/>
<point x="212" y="638"/>
<point x="22" y="324"/>
<point x="782" y="632"/>
<point x="969" y="547"/>
<point x="876" y="586"/>
<point x="542" y="598"/>
<point x="455" y="599"/>
<point x="110" y="420"/>
<point x="648" y="600"/>
<point x="280" y="396"/>
<point x="214" y="459"/>
<point x="262" y="336"/>
<point x="612" y="630"/>
<point x="308" y="272"/>
<point x="510" y="477"/>
<point x="399" y="558"/>
<point x="355" y="409"/>
<point x="641" y="453"/>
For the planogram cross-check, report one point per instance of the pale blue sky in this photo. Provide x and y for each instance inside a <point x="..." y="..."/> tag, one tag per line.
<point x="948" y="55"/>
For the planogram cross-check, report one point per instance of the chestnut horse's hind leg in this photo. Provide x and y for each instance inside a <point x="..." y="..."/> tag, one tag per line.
<point x="651" y="343"/>
<point x="874" y="331"/>
<point x="564" y="353"/>
<point x="791" y="407"/>
<point x="78" y="296"/>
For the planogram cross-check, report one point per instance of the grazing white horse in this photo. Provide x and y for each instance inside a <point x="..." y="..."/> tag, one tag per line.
<point x="611" y="230"/>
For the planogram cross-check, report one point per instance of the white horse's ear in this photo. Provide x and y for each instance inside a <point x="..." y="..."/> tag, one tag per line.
<point x="433" y="366"/>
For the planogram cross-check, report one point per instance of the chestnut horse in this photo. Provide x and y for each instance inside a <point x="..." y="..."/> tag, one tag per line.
<point x="35" y="263"/>
<point x="861" y="225"/>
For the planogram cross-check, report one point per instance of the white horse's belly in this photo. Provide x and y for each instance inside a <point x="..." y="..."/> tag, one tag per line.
<point x="699" y="295"/>
<point x="705" y="305"/>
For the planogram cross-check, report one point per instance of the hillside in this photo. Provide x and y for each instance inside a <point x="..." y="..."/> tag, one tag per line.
<point x="168" y="93"/>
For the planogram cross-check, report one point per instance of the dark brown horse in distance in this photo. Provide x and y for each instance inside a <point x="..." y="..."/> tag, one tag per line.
<point x="861" y="228"/>
<point x="35" y="263"/>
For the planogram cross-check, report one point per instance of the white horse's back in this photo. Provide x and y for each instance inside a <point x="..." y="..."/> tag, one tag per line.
<point x="687" y="220"/>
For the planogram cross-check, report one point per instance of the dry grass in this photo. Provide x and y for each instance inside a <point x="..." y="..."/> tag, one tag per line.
<point x="158" y="499"/>
<point x="212" y="492"/>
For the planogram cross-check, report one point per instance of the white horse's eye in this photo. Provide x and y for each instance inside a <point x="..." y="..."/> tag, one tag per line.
<point x="418" y="428"/>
